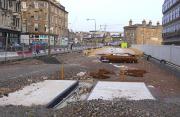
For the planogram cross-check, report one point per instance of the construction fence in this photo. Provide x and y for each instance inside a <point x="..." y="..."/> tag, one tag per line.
<point x="17" y="55"/>
<point x="169" y="53"/>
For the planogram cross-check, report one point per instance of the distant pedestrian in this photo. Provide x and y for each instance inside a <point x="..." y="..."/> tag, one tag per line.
<point x="71" y="47"/>
<point x="37" y="49"/>
<point x="30" y="48"/>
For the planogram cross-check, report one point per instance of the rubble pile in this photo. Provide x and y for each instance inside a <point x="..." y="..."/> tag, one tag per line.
<point x="101" y="74"/>
<point x="119" y="59"/>
<point x="135" y="72"/>
<point x="81" y="76"/>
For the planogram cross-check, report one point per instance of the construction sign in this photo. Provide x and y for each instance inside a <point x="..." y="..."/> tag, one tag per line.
<point x="124" y="45"/>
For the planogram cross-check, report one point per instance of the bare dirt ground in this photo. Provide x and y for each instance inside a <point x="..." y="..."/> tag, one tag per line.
<point x="16" y="75"/>
<point x="163" y="83"/>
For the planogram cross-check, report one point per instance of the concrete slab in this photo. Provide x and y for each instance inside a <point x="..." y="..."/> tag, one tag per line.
<point x="112" y="50"/>
<point x="41" y="93"/>
<point x="126" y="90"/>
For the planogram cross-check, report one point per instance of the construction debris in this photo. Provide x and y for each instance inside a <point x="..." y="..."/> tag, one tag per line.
<point x="119" y="59"/>
<point x="4" y="91"/>
<point x="102" y="74"/>
<point x="131" y="72"/>
<point x="112" y="50"/>
<point x="135" y="72"/>
<point x="80" y="74"/>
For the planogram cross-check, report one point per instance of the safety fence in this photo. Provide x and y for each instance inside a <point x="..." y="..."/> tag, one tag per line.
<point x="5" y="56"/>
<point x="168" y="53"/>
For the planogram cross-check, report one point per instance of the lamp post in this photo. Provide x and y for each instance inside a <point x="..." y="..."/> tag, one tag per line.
<point x="94" y="25"/>
<point x="143" y="35"/>
<point x="49" y="27"/>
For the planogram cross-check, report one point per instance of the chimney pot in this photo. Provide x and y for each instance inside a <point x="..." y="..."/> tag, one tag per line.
<point x="144" y="22"/>
<point x="130" y="22"/>
<point x="158" y="23"/>
<point x="150" y="23"/>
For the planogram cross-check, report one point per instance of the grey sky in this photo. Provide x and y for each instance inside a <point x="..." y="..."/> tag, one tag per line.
<point x="114" y="13"/>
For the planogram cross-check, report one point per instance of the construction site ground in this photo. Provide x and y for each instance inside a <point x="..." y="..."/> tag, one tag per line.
<point x="162" y="81"/>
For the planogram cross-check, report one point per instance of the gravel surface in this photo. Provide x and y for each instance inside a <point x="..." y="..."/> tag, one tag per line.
<point x="98" y="108"/>
<point x="16" y="75"/>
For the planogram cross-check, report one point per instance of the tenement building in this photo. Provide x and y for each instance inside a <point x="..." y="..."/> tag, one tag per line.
<point x="10" y="23"/>
<point x="43" y="20"/>
<point x="171" y="22"/>
<point x="145" y="33"/>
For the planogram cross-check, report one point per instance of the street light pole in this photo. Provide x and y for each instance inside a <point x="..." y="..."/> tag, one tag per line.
<point x="6" y="47"/>
<point x="95" y="27"/>
<point x="143" y="35"/>
<point x="49" y="42"/>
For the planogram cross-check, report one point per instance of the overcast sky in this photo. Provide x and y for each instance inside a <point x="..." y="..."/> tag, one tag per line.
<point x="114" y="13"/>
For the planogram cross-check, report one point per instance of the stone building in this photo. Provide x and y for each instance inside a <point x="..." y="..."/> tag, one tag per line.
<point x="43" y="20"/>
<point x="144" y="33"/>
<point x="10" y="23"/>
<point x="171" y="22"/>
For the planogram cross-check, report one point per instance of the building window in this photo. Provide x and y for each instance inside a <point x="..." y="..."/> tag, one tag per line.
<point x="36" y="5"/>
<point x="52" y="9"/>
<point x="10" y="3"/>
<point x="45" y="4"/>
<point x="17" y="22"/>
<point x="46" y="17"/>
<point x="36" y="17"/>
<point x="23" y="5"/>
<point x="36" y="27"/>
<point x="51" y="29"/>
<point x="45" y="28"/>
<point x="52" y="19"/>
<point x="24" y="28"/>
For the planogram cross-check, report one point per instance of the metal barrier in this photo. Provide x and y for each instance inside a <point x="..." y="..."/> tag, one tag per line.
<point x="6" y="56"/>
<point x="163" y="53"/>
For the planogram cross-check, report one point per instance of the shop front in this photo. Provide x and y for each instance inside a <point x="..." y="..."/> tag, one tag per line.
<point x="2" y="41"/>
<point x="10" y="36"/>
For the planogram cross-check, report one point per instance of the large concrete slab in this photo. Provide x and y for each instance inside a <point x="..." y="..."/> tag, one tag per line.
<point x="38" y="94"/>
<point x="113" y="50"/>
<point x="126" y="90"/>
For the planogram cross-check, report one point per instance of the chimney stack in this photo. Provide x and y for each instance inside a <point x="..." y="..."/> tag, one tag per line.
<point x="150" y="23"/>
<point x="130" y="22"/>
<point x="144" y="22"/>
<point x="158" y="24"/>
